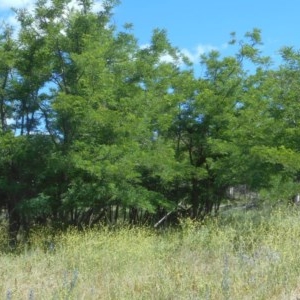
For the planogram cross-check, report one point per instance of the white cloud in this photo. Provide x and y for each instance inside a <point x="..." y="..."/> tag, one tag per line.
<point x="12" y="21"/>
<point x="7" y="4"/>
<point x="194" y="54"/>
<point x="145" y="46"/>
<point x="224" y="46"/>
<point x="96" y="7"/>
<point x="29" y="4"/>
<point x="167" y="58"/>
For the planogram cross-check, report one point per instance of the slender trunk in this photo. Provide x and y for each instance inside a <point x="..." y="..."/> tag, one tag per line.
<point x="124" y="214"/>
<point x="195" y="195"/>
<point x="14" y="221"/>
<point x="110" y="214"/>
<point x="2" y="104"/>
<point x="116" y="213"/>
<point x="133" y="215"/>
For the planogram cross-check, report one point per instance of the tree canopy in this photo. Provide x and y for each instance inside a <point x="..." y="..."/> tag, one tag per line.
<point x="94" y="127"/>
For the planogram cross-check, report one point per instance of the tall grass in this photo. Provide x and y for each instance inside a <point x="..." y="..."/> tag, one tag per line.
<point x="241" y="255"/>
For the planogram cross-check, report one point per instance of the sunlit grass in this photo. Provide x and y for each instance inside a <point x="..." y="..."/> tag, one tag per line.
<point x="243" y="255"/>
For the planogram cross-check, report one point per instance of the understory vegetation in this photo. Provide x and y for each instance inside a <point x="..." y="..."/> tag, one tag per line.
<point x="239" y="255"/>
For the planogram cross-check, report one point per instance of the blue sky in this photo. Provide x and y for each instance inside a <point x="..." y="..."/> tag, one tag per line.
<point x="197" y="26"/>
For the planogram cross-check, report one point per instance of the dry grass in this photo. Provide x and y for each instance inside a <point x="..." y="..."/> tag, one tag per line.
<point x="240" y="256"/>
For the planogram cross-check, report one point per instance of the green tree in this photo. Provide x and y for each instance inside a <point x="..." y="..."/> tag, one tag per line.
<point x="100" y="128"/>
<point x="211" y="125"/>
<point x="7" y="61"/>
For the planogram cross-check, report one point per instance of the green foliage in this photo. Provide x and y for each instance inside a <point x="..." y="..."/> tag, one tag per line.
<point x="92" y="123"/>
<point x="37" y="207"/>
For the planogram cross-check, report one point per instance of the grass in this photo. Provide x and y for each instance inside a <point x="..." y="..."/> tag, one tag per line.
<point x="241" y="255"/>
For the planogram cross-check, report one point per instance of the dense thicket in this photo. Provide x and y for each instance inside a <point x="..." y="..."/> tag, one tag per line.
<point x="96" y="128"/>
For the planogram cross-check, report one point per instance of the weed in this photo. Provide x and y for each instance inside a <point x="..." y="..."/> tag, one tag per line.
<point x="238" y="256"/>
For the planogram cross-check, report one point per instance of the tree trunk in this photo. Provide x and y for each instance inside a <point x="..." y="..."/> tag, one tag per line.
<point x="14" y="222"/>
<point x="195" y="195"/>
